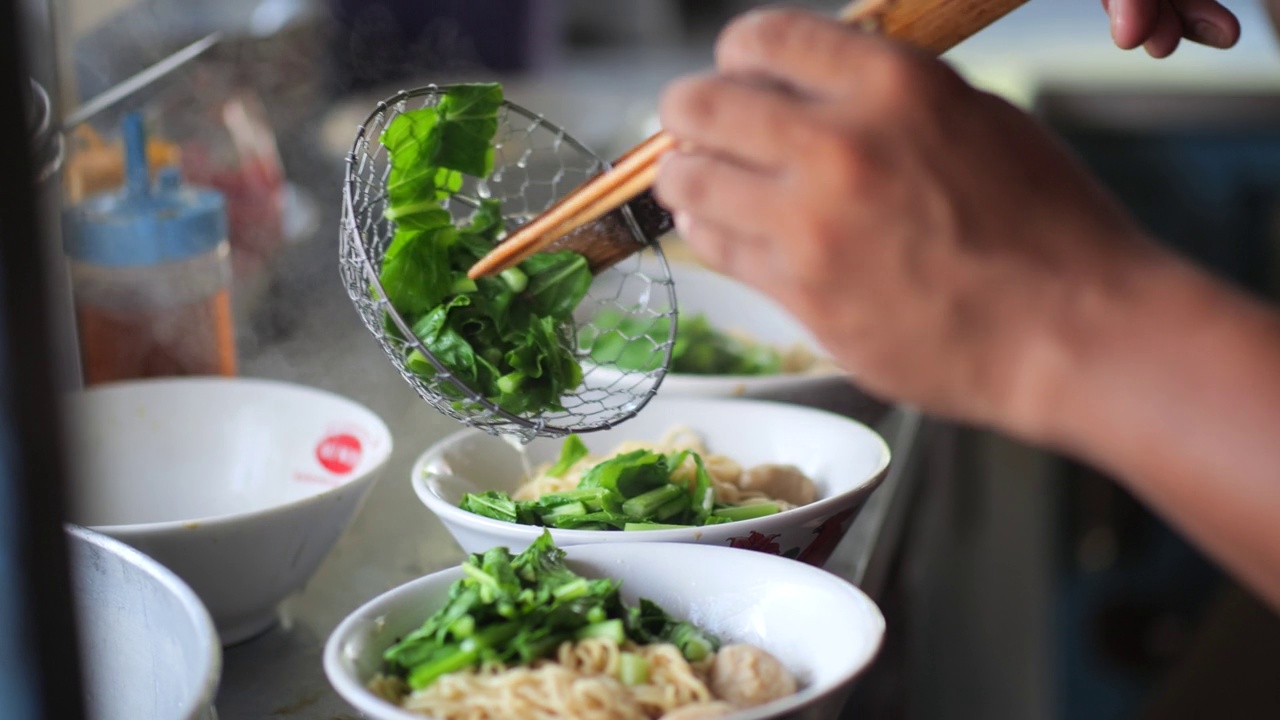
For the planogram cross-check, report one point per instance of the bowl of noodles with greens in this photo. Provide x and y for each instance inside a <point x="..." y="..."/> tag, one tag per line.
<point x="730" y="341"/>
<point x="752" y="474"/>
<point x="635" y="631"/>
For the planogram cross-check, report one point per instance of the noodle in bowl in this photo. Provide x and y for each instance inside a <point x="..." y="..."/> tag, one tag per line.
<point x="820" y="628"/>
<point x="844" y="459"/>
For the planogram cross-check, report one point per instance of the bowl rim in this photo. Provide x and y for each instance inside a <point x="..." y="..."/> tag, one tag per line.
<point x="447" y="511"/>
<point x="782" y="380"/>
<point x="366" y="702"/>
<point x="777" y="381"/>
<point x="196" y="609"/>
<point x="377" y="426"/>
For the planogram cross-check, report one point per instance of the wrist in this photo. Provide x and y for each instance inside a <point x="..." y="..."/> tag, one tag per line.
<point x="1102" y="338"/>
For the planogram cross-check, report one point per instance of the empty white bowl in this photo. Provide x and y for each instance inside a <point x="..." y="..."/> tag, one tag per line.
<point x="239" y="486"/>
<point x="147" y="646"/>
<point x="844" y="458"/>
<point x="824" y="630"/>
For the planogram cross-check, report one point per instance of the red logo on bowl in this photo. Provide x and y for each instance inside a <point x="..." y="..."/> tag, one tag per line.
<point x="339" y="454"/>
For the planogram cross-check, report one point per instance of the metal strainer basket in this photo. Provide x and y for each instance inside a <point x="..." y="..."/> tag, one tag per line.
<point x="535" y="164"/>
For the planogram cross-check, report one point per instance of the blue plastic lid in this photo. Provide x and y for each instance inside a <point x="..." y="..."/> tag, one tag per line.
<point x="141" y="224"/>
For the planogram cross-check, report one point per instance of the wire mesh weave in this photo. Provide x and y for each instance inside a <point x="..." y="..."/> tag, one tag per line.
<point x="535" y="164"/>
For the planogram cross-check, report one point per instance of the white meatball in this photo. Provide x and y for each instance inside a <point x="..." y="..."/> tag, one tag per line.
<point x="700" y="711"/>
<point x="781" y="482"/>
<point x="747" y="676"/>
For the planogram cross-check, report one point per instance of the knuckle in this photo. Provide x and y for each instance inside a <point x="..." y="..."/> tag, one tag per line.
<point x="805" y="139"/>
<point x="711" y="246"/>
<point x="849" y="165"/>
<point x="689" y="102"/>
<point x="764" y="34"/>
<point x="810" y="254"/>
<point x="902" y="81"/>
<point x="895" y="76"/>
<point x="683" y="183"/>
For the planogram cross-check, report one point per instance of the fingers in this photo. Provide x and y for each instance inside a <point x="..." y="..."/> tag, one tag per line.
<point x="713" y="189"/>
<point x="1158" y="25"/>
<point x="1132" y="21"/>
<point x="745" y="256"/>
<point x="755" y="126"/>
<point x="813" y="54"/>
<point x="1209" y="23"/>
<point x="1166" y="34"/>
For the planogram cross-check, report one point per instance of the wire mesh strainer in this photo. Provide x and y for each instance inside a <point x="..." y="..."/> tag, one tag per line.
<point x="535" y="163"/>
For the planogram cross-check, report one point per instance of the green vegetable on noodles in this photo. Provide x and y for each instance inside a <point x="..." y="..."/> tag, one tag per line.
<point x="699" y="348"/>
<point x="571" y="452"/>
<point x="509" y="338"/>
<point x="631" y="492"/>
<point x="515" y="610"/>
<point x="633" y="669"/>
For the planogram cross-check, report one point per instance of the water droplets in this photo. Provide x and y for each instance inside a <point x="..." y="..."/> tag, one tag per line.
<point x="482" y="189"/>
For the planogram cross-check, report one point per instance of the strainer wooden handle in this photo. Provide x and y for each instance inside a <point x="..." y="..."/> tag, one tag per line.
<point x="570" y="224"/>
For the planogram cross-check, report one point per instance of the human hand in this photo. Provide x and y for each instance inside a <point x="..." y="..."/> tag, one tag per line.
<point x="1160" y="25"/>
<point x="934" y="238"/>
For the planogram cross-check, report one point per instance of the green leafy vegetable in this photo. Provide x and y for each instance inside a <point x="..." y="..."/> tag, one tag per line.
<point x="571" y="452"/>
<point x="510" y="338"/>
<point x="699" y="348"/>
<point x="632" y="491"/>
<point x="515" y="610"/>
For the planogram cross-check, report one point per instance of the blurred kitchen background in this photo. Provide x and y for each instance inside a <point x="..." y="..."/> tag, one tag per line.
<point x="1028" y="587"/>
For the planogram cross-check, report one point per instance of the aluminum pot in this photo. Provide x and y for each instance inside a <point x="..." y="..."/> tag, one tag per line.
<point x="148" y="647"/>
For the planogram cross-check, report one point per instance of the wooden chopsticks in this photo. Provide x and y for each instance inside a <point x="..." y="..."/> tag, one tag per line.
<point x="933" y="25"/>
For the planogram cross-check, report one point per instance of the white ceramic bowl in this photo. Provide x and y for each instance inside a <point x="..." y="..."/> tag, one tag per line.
<point x="821" y="627"/>
<point x="239" y="486"/>
<point x="147" y="646"/>
<point x="733" y="306"/>
<point x="845" y="459"/>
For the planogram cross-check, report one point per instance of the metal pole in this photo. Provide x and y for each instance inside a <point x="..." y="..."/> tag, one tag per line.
<point x="39" y="652"/>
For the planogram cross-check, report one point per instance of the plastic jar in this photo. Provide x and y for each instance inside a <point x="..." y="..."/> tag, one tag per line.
<point x="151" y="276"/>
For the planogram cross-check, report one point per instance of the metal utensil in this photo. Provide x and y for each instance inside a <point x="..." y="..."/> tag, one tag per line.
<point x="535" y="162"/>
<point x="124" y="90"/>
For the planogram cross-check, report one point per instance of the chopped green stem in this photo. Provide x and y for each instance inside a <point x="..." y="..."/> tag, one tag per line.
<point x="425" y="674"/>
<point x="484" y="579"/>
<point x="633" y="669"/>
<point x="645" y="505"/>
<point x="463" y="627"/>
<point x="576" y="495"/>
<point x="515" y="279"/>
<point x="462" y="285"/>
<point x="572" y="590"/>
<point x="510" y="382"/>
<point x="675" y="507"/>
<point x="566" y="510"/>
<point x="695" y="644"/>
<point x="747" y="512"/>
<point x="611" y="629"/>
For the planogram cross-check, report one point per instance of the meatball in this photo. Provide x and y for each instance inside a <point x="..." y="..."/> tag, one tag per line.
<point x="700" y="711"/>
<point x="781" y="482"/>
<point x="747" y="676"/>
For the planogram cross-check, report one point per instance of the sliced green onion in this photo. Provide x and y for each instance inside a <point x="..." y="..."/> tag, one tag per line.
<point x="633" y="669"/>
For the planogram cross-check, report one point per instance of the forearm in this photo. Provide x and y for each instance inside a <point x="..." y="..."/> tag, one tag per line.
<point x="1176" y="391"/>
